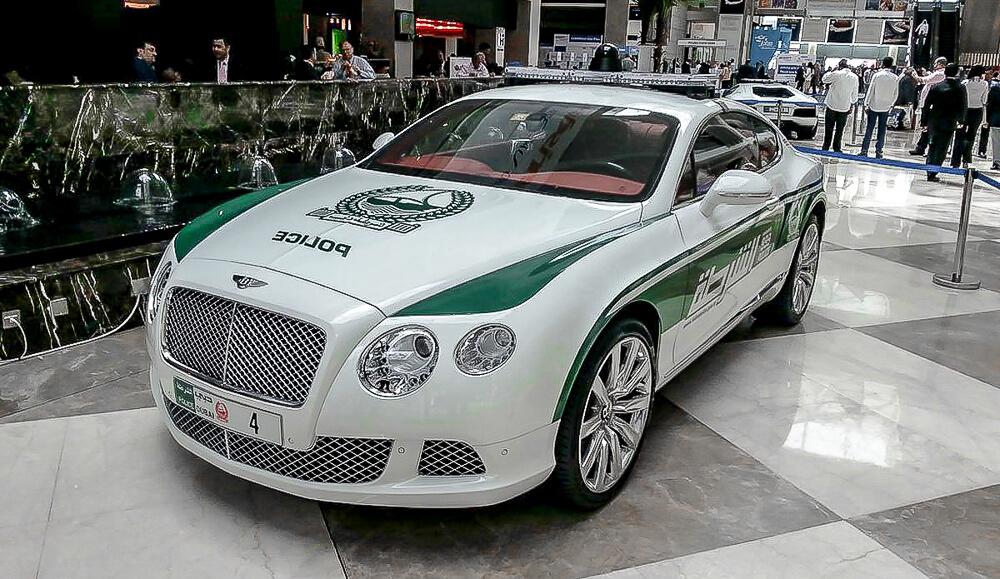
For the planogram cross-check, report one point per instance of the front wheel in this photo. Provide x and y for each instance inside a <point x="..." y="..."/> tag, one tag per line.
<point x="788" y="307"/>
<point x="605" y="419"/>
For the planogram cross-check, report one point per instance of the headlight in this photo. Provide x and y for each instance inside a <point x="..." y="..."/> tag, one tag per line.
<point x="398" y="362"/>
<point x="156" y="290"/>
<point x="485" y="349"/>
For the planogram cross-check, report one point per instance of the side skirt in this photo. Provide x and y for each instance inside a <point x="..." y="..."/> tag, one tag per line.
<point x="765" y="295"/>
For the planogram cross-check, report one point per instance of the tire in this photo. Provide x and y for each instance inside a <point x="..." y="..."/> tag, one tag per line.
<point x="619" y="425"/>
<point x="788" y="307"/>
<point x="805" y="133"/>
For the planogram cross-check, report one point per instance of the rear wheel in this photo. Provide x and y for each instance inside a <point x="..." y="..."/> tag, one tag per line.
<point x="788" y="307"/>
<point x="606" y="414"/>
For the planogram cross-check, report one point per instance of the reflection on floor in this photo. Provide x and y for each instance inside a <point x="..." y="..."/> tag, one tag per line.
<point x="864" y="442"/>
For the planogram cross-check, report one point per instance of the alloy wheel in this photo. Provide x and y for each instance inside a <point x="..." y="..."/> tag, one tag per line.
<point x="615" y="414"/>
<point x="805" y="270"/>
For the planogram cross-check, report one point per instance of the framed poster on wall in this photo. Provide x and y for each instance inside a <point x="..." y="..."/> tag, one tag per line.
<point x="896" y="32"/>
<point x="840" y="31"/>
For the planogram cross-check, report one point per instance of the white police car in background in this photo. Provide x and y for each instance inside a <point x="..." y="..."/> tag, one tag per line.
<point x="488" y="301"/>
<point x="799" y="112"/>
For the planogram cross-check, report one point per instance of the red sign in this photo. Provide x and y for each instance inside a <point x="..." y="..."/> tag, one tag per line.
<point x="439" y="28"/>
<point x="221" y="411"/>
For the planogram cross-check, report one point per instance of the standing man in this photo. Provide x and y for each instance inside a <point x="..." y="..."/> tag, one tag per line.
<point x="840" y="98"/>
<point x="143" y="69"/>
<point x="347" y="66"/>
<point x="975" y="96"/>
<point x="725" y="76"/>
<point x="929" y="81"/>
<point x="223" y="67"/>
<point x="879" y="100"/>
<point x="744" y="72"/>
<point x="944" y="110"/>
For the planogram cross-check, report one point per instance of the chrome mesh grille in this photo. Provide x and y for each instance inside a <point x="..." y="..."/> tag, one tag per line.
<point x="330" y="460"/>
<point x="449" y="458"/>
<point x="241" y="348"/>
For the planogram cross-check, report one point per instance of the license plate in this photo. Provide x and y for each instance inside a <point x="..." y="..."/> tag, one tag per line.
<point x="770" y="109"/>
<point x="228" y="414"/>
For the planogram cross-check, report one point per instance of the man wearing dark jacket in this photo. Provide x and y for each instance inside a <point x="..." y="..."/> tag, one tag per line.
<point x="993" y="119"/>
<point x="143" y="65"/>
<point x="945" y="110"/>
<point x="745" y="71"/>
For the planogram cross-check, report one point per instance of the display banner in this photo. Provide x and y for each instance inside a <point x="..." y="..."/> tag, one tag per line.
<point x="896" y="32"/>
<point x="882" y="5"/>
<point x="763" y="44"/>
<point x="732" y="6"/>
<point x="780" y="4"/>
<point x="786" y="66"/>
<point x="793" y="24"/>
<point x="840" y="31"/>
<point x="784" y="40"/>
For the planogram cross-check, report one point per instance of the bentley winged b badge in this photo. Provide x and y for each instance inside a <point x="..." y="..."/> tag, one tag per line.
<point x="245" y="281"/>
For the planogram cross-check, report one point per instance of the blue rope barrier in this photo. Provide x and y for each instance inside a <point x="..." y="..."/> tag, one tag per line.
<point x="886" y="162"/>
<point x="987" y="180"/>
<point x="776" y="103"/>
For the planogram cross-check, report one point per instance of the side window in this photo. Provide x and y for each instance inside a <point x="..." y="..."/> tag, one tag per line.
<point x="768" y="143"/>
<point x="719" y="147"/>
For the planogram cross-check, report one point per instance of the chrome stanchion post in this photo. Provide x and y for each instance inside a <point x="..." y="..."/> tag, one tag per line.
<point x="779" y="116"/>
<point x="955" y="280"/>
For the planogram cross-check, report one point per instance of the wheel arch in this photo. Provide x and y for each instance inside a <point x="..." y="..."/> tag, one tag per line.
<point x="640" y="310"/>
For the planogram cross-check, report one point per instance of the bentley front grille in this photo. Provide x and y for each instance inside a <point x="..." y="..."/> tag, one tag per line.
<point x="240" y="348"/>
<point x="330" y="460"/>
<point x="449" y="458"/>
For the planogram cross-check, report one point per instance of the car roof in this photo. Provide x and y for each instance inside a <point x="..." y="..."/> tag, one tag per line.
<point x="686" y="109"/>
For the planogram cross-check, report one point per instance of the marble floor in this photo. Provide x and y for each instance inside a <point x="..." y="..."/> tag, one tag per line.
<point x="864" y="442"/>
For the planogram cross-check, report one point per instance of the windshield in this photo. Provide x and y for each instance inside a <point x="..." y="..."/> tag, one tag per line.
<point x="774" y="92"/>
<point x="574" y="150"/>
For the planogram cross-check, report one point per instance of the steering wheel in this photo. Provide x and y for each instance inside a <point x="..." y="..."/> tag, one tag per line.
<point x="602" y="167"/>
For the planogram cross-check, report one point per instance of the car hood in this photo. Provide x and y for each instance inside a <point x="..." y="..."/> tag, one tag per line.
<point x="392" y="240"/>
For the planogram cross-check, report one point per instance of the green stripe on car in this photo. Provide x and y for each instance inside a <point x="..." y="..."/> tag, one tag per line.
<point x="513" y="285"/>
<point x="206" y="224"/>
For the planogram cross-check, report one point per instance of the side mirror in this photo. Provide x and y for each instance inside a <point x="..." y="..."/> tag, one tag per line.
<point x="382" y="140"/>
<point x="737" y="187"/>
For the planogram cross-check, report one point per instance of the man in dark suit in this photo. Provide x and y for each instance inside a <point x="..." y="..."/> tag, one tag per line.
<point x="223" y="62"/>
<point x="142" y="65"/>
<point x="944" y="110"/>
<point x="745" y="71"/>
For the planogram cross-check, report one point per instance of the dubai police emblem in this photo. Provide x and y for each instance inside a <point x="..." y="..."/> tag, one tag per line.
<point x="400" y="209"/>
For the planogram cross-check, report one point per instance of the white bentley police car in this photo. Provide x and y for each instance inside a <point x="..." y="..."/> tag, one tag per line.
<point x="487" y="302"/>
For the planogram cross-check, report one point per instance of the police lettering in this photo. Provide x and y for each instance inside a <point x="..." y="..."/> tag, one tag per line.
<point x="312" y="242"/>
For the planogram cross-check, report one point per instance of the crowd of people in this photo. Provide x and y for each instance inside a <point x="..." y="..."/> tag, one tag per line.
<point x="955" y="107"/>
<point x="311" y="63"/>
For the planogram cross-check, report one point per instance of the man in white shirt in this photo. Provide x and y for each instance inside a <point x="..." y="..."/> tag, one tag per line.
<point x="928" y="81"/>
<point x="840" y="98"/>
<point x="882" y="92"/>
<point x="348" y="66"/>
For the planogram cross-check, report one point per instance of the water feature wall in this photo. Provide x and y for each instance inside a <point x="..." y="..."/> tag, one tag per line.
<point x="95" y="162"/>
<point x="90" y="174"/>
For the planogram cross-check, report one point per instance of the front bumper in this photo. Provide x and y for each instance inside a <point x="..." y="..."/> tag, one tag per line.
<point x="512" y="467"/>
